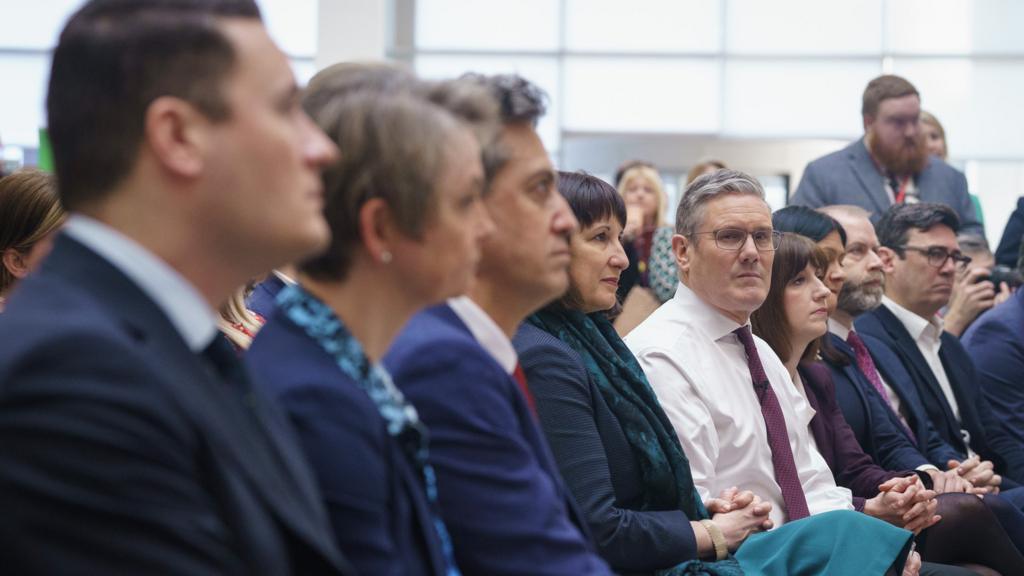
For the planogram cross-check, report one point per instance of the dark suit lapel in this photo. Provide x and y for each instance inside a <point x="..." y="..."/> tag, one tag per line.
<point x="867" y="175"/>
<point x="907" y="348"/>
<point x="222" y="412"/>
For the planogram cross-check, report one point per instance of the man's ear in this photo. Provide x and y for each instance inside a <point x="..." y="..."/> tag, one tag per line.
<point x="15" y="263"/>
<point x="888" y="257"/>
<point x="867" y="120"/>
<point x="378" y="229"/>
<point x="178" y="135"/>
<point x="683" y="251"/>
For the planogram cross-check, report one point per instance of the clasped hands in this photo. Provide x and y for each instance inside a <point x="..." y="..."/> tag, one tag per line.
<point x="739" y="514"/>
<point x="904" y="502"/>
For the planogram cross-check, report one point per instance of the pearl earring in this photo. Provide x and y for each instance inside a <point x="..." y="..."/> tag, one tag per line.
<point x="385" y="257"/>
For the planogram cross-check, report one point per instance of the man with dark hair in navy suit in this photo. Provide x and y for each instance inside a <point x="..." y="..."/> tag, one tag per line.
<point x="500" y="492"/>
<point x="920" y="257"/>
<point x="132" y="439"/>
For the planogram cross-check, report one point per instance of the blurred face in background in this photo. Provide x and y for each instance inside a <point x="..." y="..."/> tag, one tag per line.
<point x="598" y="260"/>
<point x="641" y="197"/>
<point x="894" y="135"/>
<point x="934" y="139"/>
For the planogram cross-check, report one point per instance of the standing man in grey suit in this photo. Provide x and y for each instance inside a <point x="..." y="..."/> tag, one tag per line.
<point x="890" y="164"/>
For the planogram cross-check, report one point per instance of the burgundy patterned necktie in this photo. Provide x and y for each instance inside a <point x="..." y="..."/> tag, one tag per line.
<point x="778" y="437"/>
<point x="868" y="368"/>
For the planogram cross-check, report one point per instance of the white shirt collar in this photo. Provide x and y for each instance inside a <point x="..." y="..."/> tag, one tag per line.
<point x="915" y="325"/>
<point x="486" y="332"/>
<point x="173" y="294"/>
<point x="288" y="280"/>
<point x="838" y="329"/>
<point x="713" y="322"/>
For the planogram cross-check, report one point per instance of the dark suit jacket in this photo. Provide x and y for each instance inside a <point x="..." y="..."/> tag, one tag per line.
<point x="1008" y="250"/>
<point x="374" y="495"/>
<point x="995" y="342"/>
<point x="263" y="298"/>
<point x="849" y="176"/>
<point x="596" y="461"/>
<point x="850" y="466"/>
<point x="877" y="428"/>
<point x="124" y="453"/>
<point x="500" y="492"/>
<point x="989" y="438"/>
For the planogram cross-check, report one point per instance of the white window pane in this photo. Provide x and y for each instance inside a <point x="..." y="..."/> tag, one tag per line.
<point x="34" y="25"/>
<point x="541" y="71"/>
<point x="804" y="27"/>
<point x="292" y="24"/>
<point x="643" y="26"/>
<point x="955" y="26"/>
<point x="642" y="95"/>
<point x="304" y="69"/>
<point x="819" y="99"/>
<point x="22" y="110"/>
<point x="977" y="103"/>
<point x="487" y="24"/>
<point x="998" y="185"/>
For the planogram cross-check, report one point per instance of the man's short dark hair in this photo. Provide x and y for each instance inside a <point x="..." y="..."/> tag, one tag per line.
<point x="519" y="101"/>
<point x="883" y="88"/>
<point x="113" y="59"/>
<point x="893" y="228"/>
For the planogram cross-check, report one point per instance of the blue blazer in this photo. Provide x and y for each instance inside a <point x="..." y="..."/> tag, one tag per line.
<point x="263" y="298"/>
<point x="995" y="342"/>
<point x="597" y="462"/>
<point x="374" y="496"/>
<point x="850" y="466"/>
<point x="123" y="452"/>
<point x="500" y="492"/>
<point x="849" y="176"/>
<point x="989" y="438"/>
<point x="878" y="429"/>
<point x="1008" y="250"/>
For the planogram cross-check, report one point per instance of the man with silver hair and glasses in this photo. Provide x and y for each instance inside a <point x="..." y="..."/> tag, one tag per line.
<point x="729" y="398"/>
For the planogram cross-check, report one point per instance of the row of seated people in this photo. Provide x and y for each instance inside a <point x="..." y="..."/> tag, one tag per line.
<point x="440" y="392"/>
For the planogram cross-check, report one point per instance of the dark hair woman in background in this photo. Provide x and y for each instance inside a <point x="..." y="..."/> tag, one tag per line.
<point x="30" y="214"/>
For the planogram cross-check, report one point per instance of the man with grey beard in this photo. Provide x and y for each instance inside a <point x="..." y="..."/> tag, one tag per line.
<point x="890" y="164"/>
<point x="884" y="411"/>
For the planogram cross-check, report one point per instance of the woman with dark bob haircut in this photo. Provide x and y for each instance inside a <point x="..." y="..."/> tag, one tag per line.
<point x="404" y="205"/>
<point x="613" y="442"/>
<point x="30" y="214"/>
<point x="793" y="321"/>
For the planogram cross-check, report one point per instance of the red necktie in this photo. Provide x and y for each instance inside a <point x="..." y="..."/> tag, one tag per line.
<point x="778" y="436"/>
<point x="520" y="378"/>
<point x="868" y="368"/>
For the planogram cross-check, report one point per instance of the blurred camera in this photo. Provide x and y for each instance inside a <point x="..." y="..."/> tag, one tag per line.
<point x="1001" y="274"/>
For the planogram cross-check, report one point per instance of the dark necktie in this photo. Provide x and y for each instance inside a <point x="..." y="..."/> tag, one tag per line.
<point x="778" y="436"/>
<point x="868" y="368"/>
<point x="520" y="378"/>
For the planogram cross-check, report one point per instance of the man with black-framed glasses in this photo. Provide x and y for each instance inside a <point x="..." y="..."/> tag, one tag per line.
<point x="920" y="258"/>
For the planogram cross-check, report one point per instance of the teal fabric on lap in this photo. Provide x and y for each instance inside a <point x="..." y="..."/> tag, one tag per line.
<point x="838" y="543"/>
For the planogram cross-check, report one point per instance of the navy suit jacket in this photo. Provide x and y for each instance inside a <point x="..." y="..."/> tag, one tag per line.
<point x="263" y="298"/>
<point x="1008" y="250"/>
<point x="995" y="342"/>
<point x="123" y="452"/>
<point x="500" y="492"/>
<point x="849" y="176"/>
<point x="596" y="460"/>
<point x="878" y="429"/>
<point x="375" y="497"/>
<point x="850" y="466"/>
<point x="989" y="438"/>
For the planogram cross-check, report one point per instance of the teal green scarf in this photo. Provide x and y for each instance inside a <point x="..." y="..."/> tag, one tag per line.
<point x="664" y="469"/>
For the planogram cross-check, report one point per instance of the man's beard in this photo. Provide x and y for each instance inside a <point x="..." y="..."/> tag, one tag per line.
<point x="856" y="299"/>
<point x="910" y="158"/>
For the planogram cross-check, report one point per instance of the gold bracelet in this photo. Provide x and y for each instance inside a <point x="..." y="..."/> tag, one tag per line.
<point x="717" y="539"/>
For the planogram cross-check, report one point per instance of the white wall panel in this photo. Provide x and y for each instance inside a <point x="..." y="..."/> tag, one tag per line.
<point x="804" y="27"/>
<point x="487" y="24"/>
<point x="643" y="26"/>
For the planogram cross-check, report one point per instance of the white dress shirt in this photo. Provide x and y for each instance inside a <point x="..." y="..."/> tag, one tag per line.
<point x="486" y="331"/>
<point x="698" y="370"/>
<point x="927" y="334"/>
<point x="175" y="296"/>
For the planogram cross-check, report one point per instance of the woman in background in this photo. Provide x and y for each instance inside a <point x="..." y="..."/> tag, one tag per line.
<point x="619" y="455"/>
<point x="30" y="215"/>
<point x="935" y="138"/>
